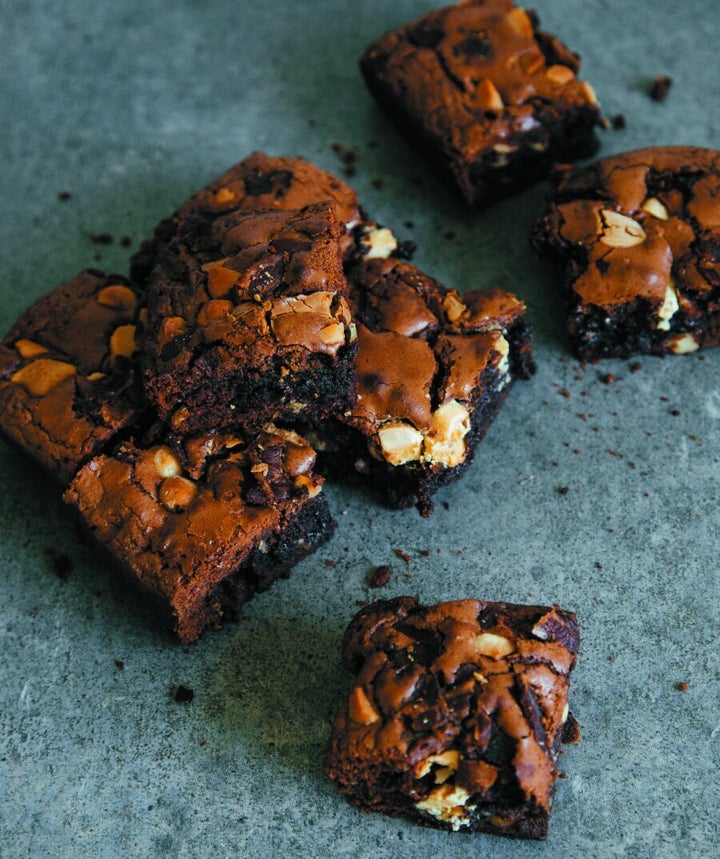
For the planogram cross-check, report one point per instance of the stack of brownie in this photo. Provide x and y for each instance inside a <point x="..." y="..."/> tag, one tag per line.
<point x="175" y="410"/>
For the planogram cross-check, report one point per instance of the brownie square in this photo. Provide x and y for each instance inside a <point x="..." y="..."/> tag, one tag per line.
<point x="486" y="95"/>
<point x="68" y="384"/>
<point x="199" y="525"/>
<point x="457" y="713"/>
<point x="261" y="182"/>
<point x="637" y="237"/>
<point x="432" y="369"/>
<point x="248" y="320"/>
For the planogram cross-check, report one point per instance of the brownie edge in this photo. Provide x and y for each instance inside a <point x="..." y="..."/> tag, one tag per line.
<point x="457" y="713"/>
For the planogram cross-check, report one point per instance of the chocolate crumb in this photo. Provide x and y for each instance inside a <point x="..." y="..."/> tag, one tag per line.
<point x="61" y="564"/>
<point x="674" y="412"/>
<point x="125" y="242"/>
<point x="424" y="553"/>
<point x="379" y="577"/>
<point x="100" y="238"/>
<point x="330" y="563"/>
<point x="658" y="88"/>
<point x="409" y="224"/>
<point x="618" y="122"/>
<point x="404" y="555"/>
<point x="183" y="695"/>
<point x="563" y="490"/>
<point x="64" y="195"/>
<point x="564" y="393"/>
<point x="350" y="170"/>
<point x="635" y="366"/>
<point x="607" y="378"/>
<point x="406" y="249"/>
<point x="682" y="686"/>
<point x="120" y="665"/>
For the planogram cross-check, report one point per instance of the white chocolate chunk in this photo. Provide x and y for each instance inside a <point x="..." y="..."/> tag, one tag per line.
<point x="448" y="803"/>
<point x="492" y="645"/>
<point x="445" y="442"/>
<point x="400" y="442"/>
<point x="668" y="308"/>
<point x="683" y="344"/>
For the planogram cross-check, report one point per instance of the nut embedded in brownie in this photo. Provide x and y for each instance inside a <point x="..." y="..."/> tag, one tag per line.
<point x="457" y="713"/>
<point x="248" y="320"/>
<point x="198" y="525"/>
<point x="637" y="236"/>
<point x="68" y="382"/>
<point x="432" y="369"/>
<point x="488" y="97"/>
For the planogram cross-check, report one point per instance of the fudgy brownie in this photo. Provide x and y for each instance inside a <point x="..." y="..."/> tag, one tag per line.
<point x="67" y="372"/>
<point x="248" y="320"/>
<point x="491" y="99"/>
<point x="638" y="238"/>
<point x="457" y="713"/>
<point x="199" y="524"/>
<point x="260" y="182"/>
<point x="432" y="369"/>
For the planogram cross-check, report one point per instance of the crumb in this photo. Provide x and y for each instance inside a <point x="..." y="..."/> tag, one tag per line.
<point x="361" y="603"/>
<point x="330" y="563"/>
<point x="64" y="195"/>
<point x="120" y="665"/>
<point x="406" y="249"/>
<point x="681" y="687"/>
<point x="446" y="505"/>
<point x="598" y="565"/>
<point x="379" y="577"/>
<point x="674" y="412"/>
<point x="564" y="393"/>
<point x="125" y="242"/>
<point x="635" y="366"/>
<point x="183" y="695"/>
<point x="404" y="555"/>
<point x="61" y="564"/>
<point x="658" y="88"/>
<point x="346" y="155"/>
<point x="563" y="490"/>
<point x="349" y="170"/>
<point x="424" y="553"/>
<point x="664" y="399"/>
<point x="409" y="224"/>
<point x="100" y="238"/>
<point x="618" y="122"/>
<point x="606" y="378"/>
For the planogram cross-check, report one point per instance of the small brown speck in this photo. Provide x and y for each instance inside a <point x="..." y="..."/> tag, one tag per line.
<point x="125" y="242"/>
<point x="682" y="686"/>
<point x="184" y="695"/>
<point x="377" y="183"/>
<point x="330" y="563"/>
<point x="409" y="224"/>
<point x="664" y="399"/>
<point x="349" y="170"/>
<point x="659" y="87"/>
<point x="618" y="122"/>
<point x="100" y="238"/>
<point x="403" y="555"/>
<point x="564" y="393"/>
<point x="120" y="665"/>
<point x="674" y="412"/>
<point x="607" y="378"/>
<point x="635" y="366"/>
<point x="563" y="490"/>
<point x="598" y="565"/>
<point x="379" y="577"/>
<point x="424" y="553"/>
<point x="64" y="196"/>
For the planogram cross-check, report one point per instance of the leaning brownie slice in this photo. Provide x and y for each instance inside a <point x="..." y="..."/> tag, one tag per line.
<point x="260" y="182"/>
<point x="68" y="382"/>
<point x="638" y="239"/>
<point x="248" y="320"/>
<point x="198" y="525"/>
<point x="457" y="713"/>
<point x="432" y="369"/>
<point x="491" y="99"/>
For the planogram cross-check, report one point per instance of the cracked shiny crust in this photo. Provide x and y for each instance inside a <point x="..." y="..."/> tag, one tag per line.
<point x="183" y="517"/>
<point x="638" y="235"/>
<point x="67" y="372"/>
<point x="427" y="359"/>
<point x="257" y="302"/>
<point x="491" y="97"/>
<point x="457" y="713"/>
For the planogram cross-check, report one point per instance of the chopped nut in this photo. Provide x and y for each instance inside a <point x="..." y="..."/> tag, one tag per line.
<point x="96" y="376"/>
<point x="560" y="74"/>
<point x="445" y="442"/>
<point x="117" y="296"/>
<point x="654" y="207"/>
<point x="447" y="802"/>
<point x="683" y="344"/>
<point x="302" y="481"/>
<point x="492" y="645"/>
<point x="360" y="709"/>
<point x="220" y="280"/>
<point x="166" y="462"/>
<point x="520" y="22"/>
<point x="223" y="196"/>
<point x="122" y="341"/>
<point x="620" y="231"/>
<point x="487" y="95"/>
<point x="172" y="327"/>
<point x="40" y="377"/>
<point x="449" y="759"/>
<point x="28" y="349"/>
<point x="668" y="308"/>
<point x="453" y="306"/>
<point x="400" y="442"/>
<point x="333" y="335"/>
<point x="177" y="493"/>
<point x="378" y="243"/>
<point x="214" y="310"/>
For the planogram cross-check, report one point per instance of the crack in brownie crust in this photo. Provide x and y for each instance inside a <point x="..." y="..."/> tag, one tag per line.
<point x="492" y="100"/>
<point x="457" y="713"/>
<point x="638" y="237"/>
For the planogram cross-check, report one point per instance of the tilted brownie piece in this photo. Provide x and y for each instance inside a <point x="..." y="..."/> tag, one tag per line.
<point x="492" y="100"/>
<point x="198" y="525"/>
<point x="248" y="320"/>
<point x="457" y="713"/>
<point x="432" y="370"/>
<point x="68" y="384"/>
<point x="638" y="238"/>
<point x="260" y="182"/>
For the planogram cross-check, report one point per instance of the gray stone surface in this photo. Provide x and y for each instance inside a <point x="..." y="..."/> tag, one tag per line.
<point x="132" y="105"/>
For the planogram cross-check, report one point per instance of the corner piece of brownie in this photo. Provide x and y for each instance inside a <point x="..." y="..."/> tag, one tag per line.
<point x="490" y="98"/>
<point x="457" y="713"/>
<point x="199" y="524"/>
<point x="638" y="238"/>
<point x="248" y="320"/>
<point x="68" y="381"/>
<point x="432" y="369"/>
